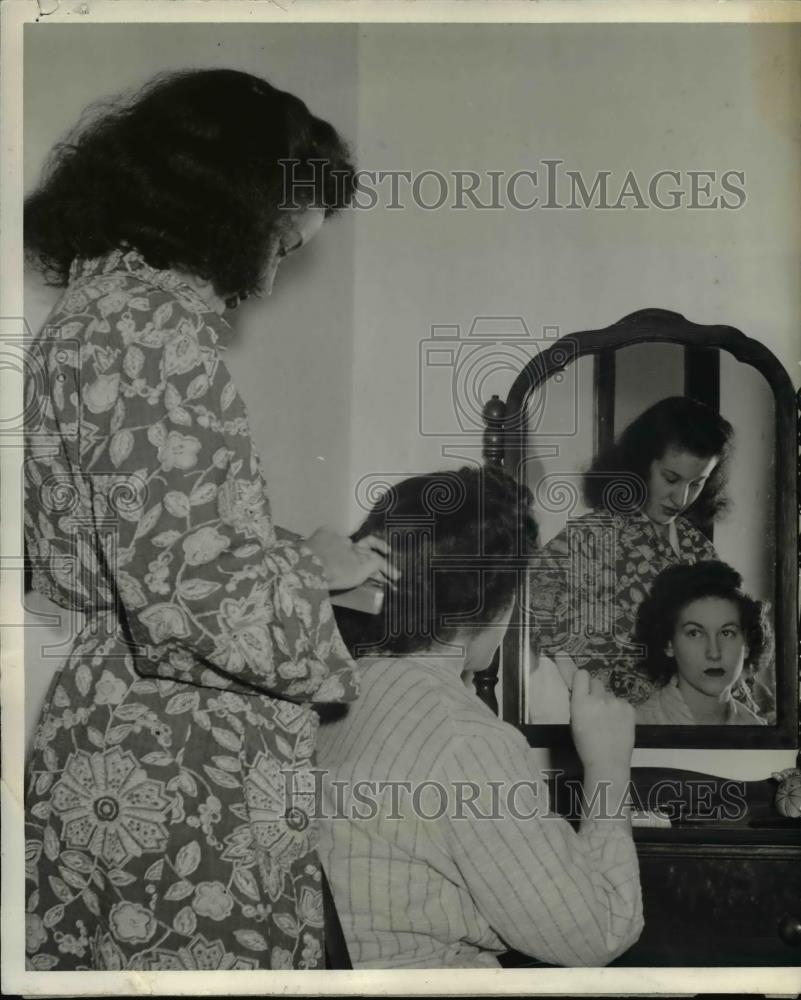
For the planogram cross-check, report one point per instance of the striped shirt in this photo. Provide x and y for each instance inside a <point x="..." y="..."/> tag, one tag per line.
<point x="431" y="880"/>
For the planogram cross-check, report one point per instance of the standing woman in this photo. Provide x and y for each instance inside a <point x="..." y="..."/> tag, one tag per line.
<point x="162" y="833"/>
<point x="589" y="580"/>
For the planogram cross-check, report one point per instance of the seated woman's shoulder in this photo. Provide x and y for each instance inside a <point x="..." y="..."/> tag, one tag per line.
<point x="744" y="716"/>
<point x="650" y="712"/>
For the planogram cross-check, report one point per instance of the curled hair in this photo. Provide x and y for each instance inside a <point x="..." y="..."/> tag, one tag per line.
<point x="457" y="538"/>
<point x="188" y="171"/>
<point x="680" y="585"/>
<point x="675" y="422"/>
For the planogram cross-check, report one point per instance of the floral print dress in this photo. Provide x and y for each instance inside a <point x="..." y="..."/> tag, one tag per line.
<point x="169" y="793"/>
<point x="587" y="584"/>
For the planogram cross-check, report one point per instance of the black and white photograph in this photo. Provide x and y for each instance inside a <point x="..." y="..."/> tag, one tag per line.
<point x="400" y="455"/>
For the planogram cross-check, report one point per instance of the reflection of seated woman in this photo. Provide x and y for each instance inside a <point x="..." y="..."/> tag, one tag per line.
<point x="422" y="880"/>
<point x="588" y="582"/>
<point x="701" y="632"/>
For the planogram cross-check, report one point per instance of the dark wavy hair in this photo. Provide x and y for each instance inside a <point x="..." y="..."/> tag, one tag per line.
<point x="675" y="422"/>
<point x="460" y="540"/>
<point x="188" y="172"/>
<point x="680" y="585"/>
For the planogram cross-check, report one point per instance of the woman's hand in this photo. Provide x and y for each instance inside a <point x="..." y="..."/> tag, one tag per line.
<point x="602" y="725"/>
<point x="603" y="731"/>
<point x="347" y="564"/>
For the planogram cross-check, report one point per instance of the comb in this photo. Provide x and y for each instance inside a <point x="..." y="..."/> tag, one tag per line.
<point x="367" y="597"/>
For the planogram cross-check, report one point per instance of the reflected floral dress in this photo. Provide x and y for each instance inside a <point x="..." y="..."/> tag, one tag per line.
<point x="169" y="802"/>
<point x="588" y="582"/>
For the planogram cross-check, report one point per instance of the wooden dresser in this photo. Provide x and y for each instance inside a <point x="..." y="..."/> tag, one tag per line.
<point x="716" y="892"/>
<point x="719" y="897"/>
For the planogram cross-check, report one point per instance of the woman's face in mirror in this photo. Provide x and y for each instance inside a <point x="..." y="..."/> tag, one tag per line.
<point x="708" y="645"/>
<point x="674" y="483"/>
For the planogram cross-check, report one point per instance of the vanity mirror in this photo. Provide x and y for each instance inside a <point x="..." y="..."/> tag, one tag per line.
<point x="718" y="412"/>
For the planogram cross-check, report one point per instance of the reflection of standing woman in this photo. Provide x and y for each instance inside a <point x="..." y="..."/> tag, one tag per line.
<point x="159" y="835"/>
<point x="590" y="579"/>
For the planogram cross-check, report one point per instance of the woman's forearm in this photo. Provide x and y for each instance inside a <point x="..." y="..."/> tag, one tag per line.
<point x="606" y="796"/>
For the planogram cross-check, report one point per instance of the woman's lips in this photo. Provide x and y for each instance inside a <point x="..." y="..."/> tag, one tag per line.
<point x="714" y="671"/>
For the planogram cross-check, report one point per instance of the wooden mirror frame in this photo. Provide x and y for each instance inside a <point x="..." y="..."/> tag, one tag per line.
<point x="505" y="445"/>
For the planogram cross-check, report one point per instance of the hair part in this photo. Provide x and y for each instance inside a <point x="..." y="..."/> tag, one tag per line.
<point x="455" y="537"/>
<point x="678" y="586"/>
<point x="187" y="171"/>
<point x="677" y="422"/>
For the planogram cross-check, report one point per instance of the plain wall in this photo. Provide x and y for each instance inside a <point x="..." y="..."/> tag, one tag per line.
<point x="746" y="535"/>
<point x="644" y="374"/>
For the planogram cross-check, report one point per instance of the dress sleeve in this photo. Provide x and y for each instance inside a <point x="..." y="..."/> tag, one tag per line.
<point x="563" y="897"/>
<point x="204" y="583"/>
<point x="548" y="594"/>
<point x="567" y="595"/>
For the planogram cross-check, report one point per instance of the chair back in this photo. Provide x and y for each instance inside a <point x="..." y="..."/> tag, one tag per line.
<point x="336" y="950"/>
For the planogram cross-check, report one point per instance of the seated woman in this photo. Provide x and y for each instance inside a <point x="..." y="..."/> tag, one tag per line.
<point x="701" y="633"/>
<point x="435" y="833"/>
<point x="588" y="581"/>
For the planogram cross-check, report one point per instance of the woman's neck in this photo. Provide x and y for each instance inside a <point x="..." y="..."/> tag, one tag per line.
<point x="205" y="290"/>
<point x="447" y="658"/>
<point x="706" y="709"/>
<point x="667" y="531"/>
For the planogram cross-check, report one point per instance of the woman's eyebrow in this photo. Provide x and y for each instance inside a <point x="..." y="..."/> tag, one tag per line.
<point x="673" y="472"/>
<point x="699" y="625"/>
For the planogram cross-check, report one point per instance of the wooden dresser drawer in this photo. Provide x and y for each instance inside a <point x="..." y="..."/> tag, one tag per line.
<point x="719" y="904"/>
<point x="713" y="904"/>
<point x="720" y="892"/>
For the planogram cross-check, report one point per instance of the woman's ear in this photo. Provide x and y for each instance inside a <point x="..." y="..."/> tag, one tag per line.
<point x="669" y="649"/>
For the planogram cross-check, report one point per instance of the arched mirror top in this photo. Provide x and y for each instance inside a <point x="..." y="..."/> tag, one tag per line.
<point x="605" y="581"/>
